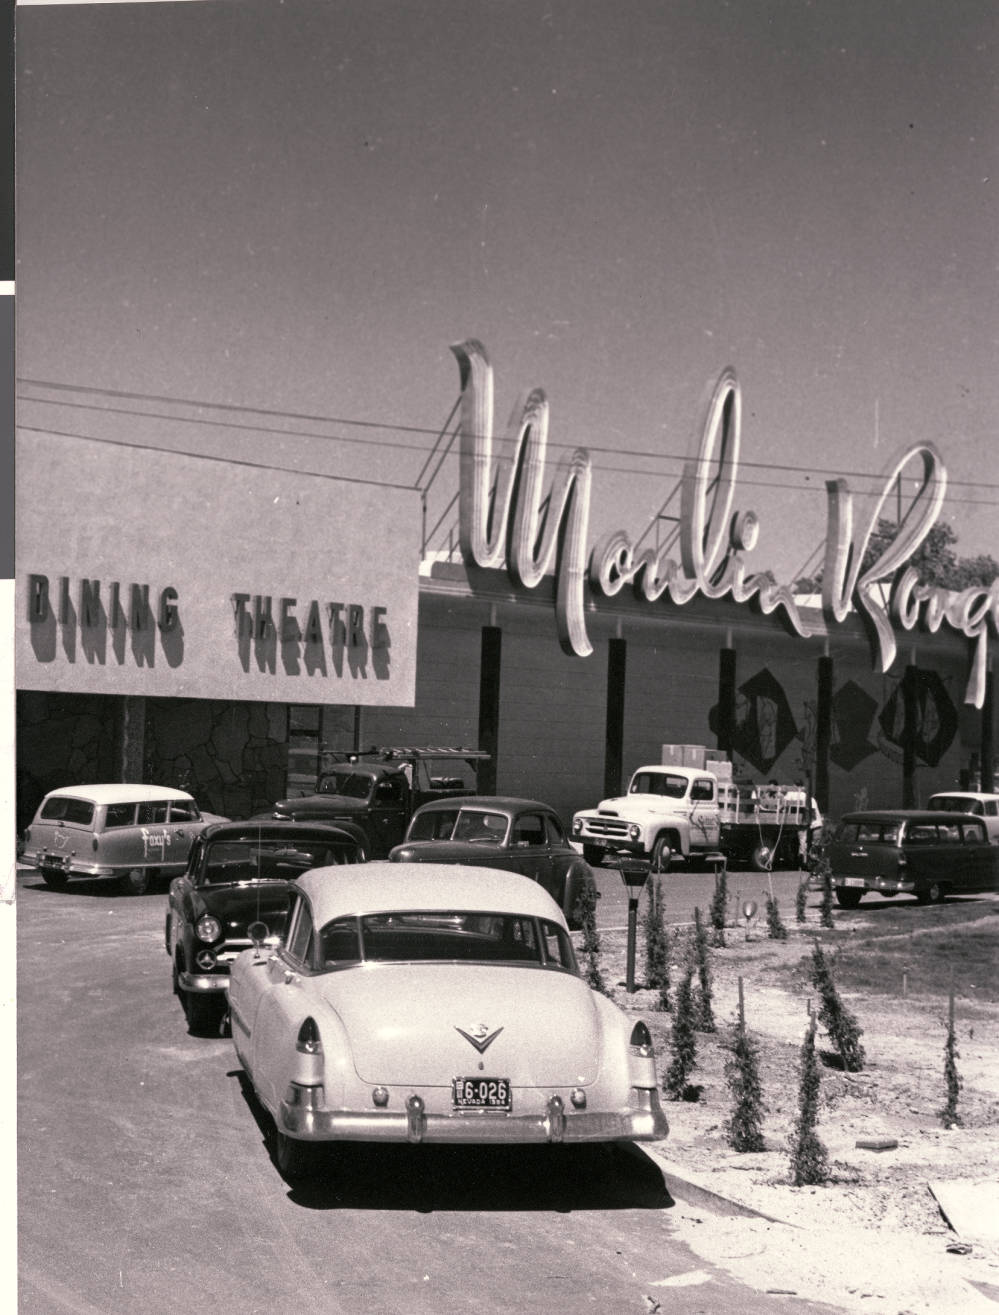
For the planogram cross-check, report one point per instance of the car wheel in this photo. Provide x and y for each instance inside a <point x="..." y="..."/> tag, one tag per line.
<point x="848" y="898"/>
<point x="295" y="1159"/>
<point x="593" y="855"/>
<point x="135" y="881"/>
<point x="762" y="859"/>
<point x="54" y="880"/>
<point x="934" y="893"/>
<point x="577" y="878"/>
<point x="202" y="1010"/>
<point x="661" y="854"/>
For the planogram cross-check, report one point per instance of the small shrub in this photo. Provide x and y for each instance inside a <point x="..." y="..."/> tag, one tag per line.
<point x="775" y="927"/>
<point x="843" y="1028"/>
<point x="800" y="901"/>
<point x="809" y="1158"/>
<point x="702" y="955"/>
<point x="718" y="910"/>
<point x="744" y="1126"/>
<point x="591" y="938"/>
<point x="683" y="1040"/>
<point x="826" y="908"/>
<point x="949" y="1116"/>
<point x="657" y="965"/>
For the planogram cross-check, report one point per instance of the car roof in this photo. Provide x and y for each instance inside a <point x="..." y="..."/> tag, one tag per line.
<point x="122" y="793"/>
<point x="384" y="887"/>
<point x="497" y="802"/>
<point x="929" y="816"/>
<point x="275" y="829"/>
<point x="965" y="794"/>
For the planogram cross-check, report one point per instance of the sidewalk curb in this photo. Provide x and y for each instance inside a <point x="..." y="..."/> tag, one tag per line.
<point x="693" y="1189"/>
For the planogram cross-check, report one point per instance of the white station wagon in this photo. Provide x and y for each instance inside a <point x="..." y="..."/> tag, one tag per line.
<point x="135" y="833"/>
<point x="430" y="1003"/>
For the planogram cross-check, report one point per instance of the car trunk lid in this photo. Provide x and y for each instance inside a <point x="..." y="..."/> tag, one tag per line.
<point x="425" y="1024"/>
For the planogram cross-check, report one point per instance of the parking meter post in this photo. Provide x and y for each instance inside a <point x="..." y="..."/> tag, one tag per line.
<point x="634" y="874"/>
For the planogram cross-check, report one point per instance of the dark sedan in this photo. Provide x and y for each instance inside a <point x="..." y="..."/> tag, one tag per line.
<point x="517" y="835"/>
<point x="237" y="873"/>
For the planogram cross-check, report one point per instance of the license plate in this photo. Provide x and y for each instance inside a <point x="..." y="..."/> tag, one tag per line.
<point x="853" y="881"/>
<point x="481" y="1094"/>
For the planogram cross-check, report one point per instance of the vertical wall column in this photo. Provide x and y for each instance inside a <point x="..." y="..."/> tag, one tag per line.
<point x="726" y="701"/>
<point x="617" y="655"/>
<point x="132" y="738"/>
<point x="910" y="728"/>
<point x="989" y="734"/>
<point x="823" y="731"/>
<point x="489" y="706"/>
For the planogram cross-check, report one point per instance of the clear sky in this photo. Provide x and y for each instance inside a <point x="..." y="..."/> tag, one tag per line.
<point x="298" y="206"/>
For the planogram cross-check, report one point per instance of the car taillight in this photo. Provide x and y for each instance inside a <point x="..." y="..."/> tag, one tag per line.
<point x="93" y="843"/>
<point x="308" y="1038"/>
<point x="641" y="1040"/>
<point x="27" y="834"/>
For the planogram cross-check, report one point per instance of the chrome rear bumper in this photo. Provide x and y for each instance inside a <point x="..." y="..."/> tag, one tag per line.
<point x="302" y="1117"/>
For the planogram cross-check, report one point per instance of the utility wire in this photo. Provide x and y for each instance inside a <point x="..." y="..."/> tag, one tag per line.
<point x="390" y="426"/>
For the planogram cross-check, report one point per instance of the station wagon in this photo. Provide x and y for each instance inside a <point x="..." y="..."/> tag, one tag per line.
<point x="134" y="833"/>
<point x="907" y="852"/>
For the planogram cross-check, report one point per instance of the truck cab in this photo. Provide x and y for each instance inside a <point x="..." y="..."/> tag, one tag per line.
<point x="668" y="812"/>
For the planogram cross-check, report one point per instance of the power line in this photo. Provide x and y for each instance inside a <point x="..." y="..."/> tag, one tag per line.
<point x="414" y="429"/>
<point x="206" y="456"/>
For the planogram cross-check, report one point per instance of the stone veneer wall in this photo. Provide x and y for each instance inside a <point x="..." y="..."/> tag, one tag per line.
<point x="233" y="757"/>
<point x="62" y="739"/>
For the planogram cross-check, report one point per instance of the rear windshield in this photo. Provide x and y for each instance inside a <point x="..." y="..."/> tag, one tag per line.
<point x="228" y="862"/>
<point x="64" y="808"/>
<point x="442" y="937"/>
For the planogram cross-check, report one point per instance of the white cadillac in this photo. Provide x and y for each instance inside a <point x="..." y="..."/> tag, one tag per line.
<point x="434" y="1003"/>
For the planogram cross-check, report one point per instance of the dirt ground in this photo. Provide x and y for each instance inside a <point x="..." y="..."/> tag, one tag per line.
<point x="874" y="1238"/>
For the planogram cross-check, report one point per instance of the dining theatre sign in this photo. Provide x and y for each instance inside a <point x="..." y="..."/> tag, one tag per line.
<point x="506" y="519"/>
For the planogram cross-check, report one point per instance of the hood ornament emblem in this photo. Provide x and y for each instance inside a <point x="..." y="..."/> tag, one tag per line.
<point x="479" y="1036"/>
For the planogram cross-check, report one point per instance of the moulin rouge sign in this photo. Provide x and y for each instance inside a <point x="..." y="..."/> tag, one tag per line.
<point x="534" y="534"/>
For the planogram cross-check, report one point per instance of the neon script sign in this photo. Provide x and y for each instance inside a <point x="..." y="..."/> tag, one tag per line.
<point x="506" y="519"/>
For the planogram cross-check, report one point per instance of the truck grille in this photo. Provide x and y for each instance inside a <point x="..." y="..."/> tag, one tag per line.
<point x="607" y="826"/>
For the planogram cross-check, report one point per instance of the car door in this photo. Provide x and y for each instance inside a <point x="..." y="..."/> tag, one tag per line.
<point x="184" y="824"/>
<point x="388" y="813"/>
<point x="270" y="1003"/>
<point x="705" y="819"/>
<point x="981" y="857"/>
<point x="530" y="852"/>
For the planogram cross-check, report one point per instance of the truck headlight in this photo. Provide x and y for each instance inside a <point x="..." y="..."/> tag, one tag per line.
<point x="577" y="826"/>
<point x="635" y="831"/>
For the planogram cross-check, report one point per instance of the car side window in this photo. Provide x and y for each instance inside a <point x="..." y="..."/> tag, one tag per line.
<point x="299" y="944"/>
<point x="182" y="812"/>
<point x="991" y="808"/>
<point x="152" y="813"/>
<point x="558" y="947"/>
<point x="119" y="815"/>
<point x="529" y="829"/>
<point x="339" y="943"/>
<point x="556" y="836"/>
<point x="702" y="791"/>
<point x="973" y="833"/>
<point x="921" y="835"/>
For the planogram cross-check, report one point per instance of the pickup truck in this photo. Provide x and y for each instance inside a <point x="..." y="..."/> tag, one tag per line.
<point x="674" y="812"/>
<point x="373" y="794"/>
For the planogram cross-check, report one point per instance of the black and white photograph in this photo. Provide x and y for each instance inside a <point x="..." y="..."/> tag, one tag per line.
<point x="552" y="443"/>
